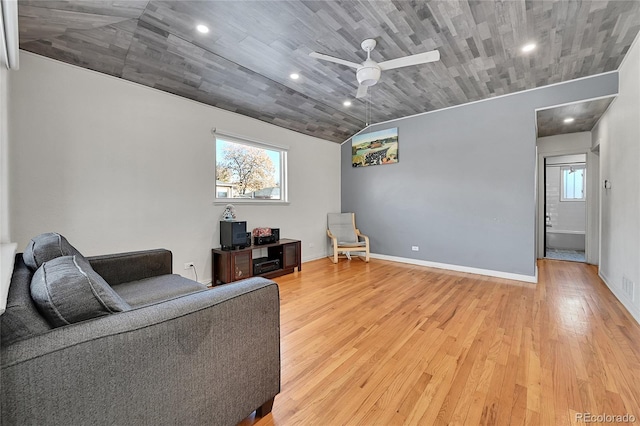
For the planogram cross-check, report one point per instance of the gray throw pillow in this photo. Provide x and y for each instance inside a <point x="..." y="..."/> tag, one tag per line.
<point x="46" y="247"/>
<point x="67" y="290"/>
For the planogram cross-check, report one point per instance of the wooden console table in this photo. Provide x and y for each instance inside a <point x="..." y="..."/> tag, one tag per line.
<point x="234" y="265"/>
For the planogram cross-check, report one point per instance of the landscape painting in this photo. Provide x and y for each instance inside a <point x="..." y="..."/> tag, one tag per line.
<point x="375" y="148"/>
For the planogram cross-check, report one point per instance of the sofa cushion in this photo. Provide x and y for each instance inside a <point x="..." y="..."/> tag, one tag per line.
<point x="46" y="247"/>
<point x="156" y="289"/>
<point x="21" y="318"/>
<point x="67" y="290"/>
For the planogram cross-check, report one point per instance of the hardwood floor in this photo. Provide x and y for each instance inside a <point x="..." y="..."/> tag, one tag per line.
<point x="387" y="343"/>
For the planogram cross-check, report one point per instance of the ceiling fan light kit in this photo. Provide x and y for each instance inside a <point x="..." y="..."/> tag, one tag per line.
<point x="368" y="72"/>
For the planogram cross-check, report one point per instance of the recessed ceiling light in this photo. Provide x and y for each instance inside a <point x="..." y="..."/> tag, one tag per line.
<point x="528" y="47"/>
<point x="569" y="120"/>
<point x="294" y="76"/>
<point x="202" y="28"/>
<point x="346" y="103"/>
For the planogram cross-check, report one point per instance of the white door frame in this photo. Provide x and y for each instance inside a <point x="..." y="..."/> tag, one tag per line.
<point x="541" y="193"/>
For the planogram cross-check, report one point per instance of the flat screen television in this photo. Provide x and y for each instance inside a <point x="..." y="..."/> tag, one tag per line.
<point x="233" y="235"/>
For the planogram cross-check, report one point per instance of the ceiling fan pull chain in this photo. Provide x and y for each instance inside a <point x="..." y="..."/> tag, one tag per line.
<point x="367" y="108"/>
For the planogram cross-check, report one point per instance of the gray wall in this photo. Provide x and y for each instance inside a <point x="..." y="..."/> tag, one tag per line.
<point x="464" y="187"/>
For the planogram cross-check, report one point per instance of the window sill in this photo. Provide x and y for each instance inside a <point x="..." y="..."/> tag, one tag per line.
<point x="239" y="201"/>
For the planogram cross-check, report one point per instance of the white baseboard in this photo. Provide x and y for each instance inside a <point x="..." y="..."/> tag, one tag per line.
<point x="622" y="298"/>
<point x="311" y="259"/>
<point x="458" y="268"/>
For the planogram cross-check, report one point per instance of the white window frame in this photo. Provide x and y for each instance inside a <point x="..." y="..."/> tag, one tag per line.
<point x="584" y="183"/>
<point x="283" y="150"/>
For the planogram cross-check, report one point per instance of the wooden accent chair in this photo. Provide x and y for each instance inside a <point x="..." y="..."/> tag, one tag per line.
<point x="345" y="237"/>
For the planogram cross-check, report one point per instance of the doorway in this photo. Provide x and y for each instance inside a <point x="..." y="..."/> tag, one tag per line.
<point x="565" y="205"/>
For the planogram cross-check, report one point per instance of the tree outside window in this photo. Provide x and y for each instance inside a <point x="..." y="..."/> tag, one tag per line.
<point x="249" y="171"/>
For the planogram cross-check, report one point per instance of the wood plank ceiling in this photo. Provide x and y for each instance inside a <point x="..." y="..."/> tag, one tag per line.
<point x="585" y="115"/>
<point x="243" y="64"/>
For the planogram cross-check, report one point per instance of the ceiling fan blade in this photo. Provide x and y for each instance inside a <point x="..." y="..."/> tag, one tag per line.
<point x="362" y="91"/>
<point x="332" y="59"/>
<point x="420" y="58"/>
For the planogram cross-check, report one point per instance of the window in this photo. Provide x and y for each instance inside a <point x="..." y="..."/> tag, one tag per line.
<point x="573" y="183"/>
<point x="250" y="171"/>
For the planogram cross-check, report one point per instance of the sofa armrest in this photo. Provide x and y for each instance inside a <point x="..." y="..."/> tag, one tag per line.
<point x="133" y="266"/>
<point x="205" y="358"/>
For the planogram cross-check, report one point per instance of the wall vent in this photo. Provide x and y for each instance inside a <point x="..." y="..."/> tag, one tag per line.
<point x="628" y="287"/>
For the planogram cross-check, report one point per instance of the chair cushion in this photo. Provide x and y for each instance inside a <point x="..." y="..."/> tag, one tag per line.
<point x="348" y="244"/>
<point x="156" y="289"/>
<point x="67" y="290"/>
<point x="46" y="247"/>
<point x="341" y="226"/>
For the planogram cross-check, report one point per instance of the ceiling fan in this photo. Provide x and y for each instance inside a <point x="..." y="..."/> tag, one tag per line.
<point x="368" y="72"/>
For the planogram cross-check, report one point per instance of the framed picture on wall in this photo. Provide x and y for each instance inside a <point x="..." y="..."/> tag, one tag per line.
<point x="371" y="149"/>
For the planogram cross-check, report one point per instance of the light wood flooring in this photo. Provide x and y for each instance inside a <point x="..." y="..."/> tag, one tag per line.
<point x="387" y="343"/>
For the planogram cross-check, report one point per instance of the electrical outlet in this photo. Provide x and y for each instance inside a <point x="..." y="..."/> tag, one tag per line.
<point x="311" y="245"/>
<point x="415" y="248"/>
<point x="189" y="265"/>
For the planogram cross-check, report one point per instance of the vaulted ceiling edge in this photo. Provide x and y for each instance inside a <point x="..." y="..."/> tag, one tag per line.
<point x="243" y="64"/>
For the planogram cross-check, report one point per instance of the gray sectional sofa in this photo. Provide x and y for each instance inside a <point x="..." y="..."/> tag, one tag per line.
<point x="171" y="351"/>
